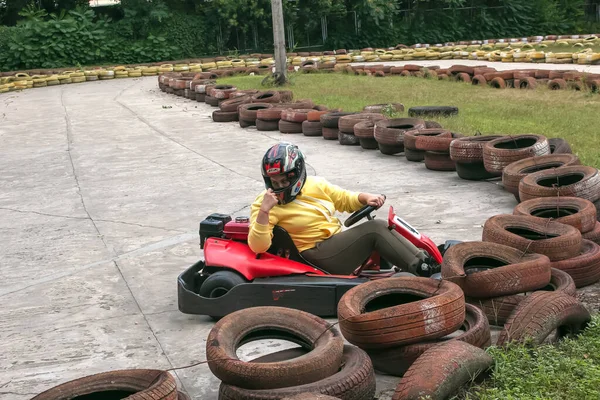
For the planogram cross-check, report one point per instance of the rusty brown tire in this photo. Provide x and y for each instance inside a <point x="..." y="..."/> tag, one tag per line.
<point x="225" y="116"/>
<point x="295" y="115"/>
<point x="414" y="155"/>
<point x="135" y="384"/>
<point x="379" y="108"/>
<point x="559" y="146"/>
<point x="365" y="130"/>
<point x="390" y="150"/>
<point x="309" y="331"/>
<point x="331" y="120"/>
<point x="479" y="80"/>
<point x="499" y="153"/>
<point x="399" y="311"/>
<point x="474" y="171"/>
<point x="315" y="115"/>
<point x="355" y="380"/>
<point x="248" y="112"/>
<point x="241" y="93"/>
<point x="475" y="331"/>
<point x="530" y="234"/>
<point x="470" y="149"/>
<point x="498" y="83"/>
<point x="211" y="101"/>
<point x="585" y="267"/>
<point x="368" y="144"/>
<point x="540" y="314"/>
<point x="391" y="131"/>
<point x="410" y="137"/>
<point x="498" y="309"/>
<point x="222" y="92"/>
<point x="347" y="139"/>
<point x="200" y="97"/>
<point x="245" y="123"/>
<point x="574" y="211"/>
<point x="514" y="172"/>
<point x="432" y="125"/>
<point x="484" y="269"/>
<point x="310" y="128"/>
<point x="270" y="96"/>
<point x="310" y="396"/>
<point x="264" y="126"/>
<point x="330" y="133"/>
<point x="233" y="103"/>
<point x="439" y="161"/>
<point x="442" y="370"/>
<point x="557" y="84"/>
<point x="270" y="114"/>
<point x="439" y="142"/>
<point x="574" y="181"/>
<point x="346" y="123"/>
<point x="463" y="77"/>
<point x="594" y="234"/>
<point x="290" y="127"/>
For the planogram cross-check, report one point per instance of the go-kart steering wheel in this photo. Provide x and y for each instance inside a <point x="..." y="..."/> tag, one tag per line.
<point x="365" y="211"/>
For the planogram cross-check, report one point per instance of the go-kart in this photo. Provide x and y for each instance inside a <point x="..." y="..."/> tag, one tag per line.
<point x="232" y="277"/>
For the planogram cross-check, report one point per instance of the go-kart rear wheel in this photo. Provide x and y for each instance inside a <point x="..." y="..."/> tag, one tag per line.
<point x="218" y="284"/>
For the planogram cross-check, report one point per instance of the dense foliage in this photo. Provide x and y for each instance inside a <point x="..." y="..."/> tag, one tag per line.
<point x="66" y="32"/>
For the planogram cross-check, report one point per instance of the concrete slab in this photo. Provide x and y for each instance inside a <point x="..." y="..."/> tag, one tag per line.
<point x="100" y="200"/>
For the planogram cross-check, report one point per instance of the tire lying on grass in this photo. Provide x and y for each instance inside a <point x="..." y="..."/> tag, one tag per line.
<point x="432" y="111"/>
<point x="355" y="380"/>
<point x="137" y="384"/>
<point x="559" y="146"/>
<point x="530" y="234"/>
<point x="484" y="269"/>
<point x="240" y="327"/>
<point x="442" y="370"/>
<point x="374" y="315"/>
<point x="540" y="314"/>
<point x="498" y="309"/>
<point x="395" y="361"/>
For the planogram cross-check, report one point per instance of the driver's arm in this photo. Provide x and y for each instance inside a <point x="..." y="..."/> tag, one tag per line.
<point x="344" y="200"/>
<point x="260" y="235"/>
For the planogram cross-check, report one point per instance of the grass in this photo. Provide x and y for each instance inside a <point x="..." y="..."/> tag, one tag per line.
<point x="567" y="114"/>
<point x="569" y="370"/>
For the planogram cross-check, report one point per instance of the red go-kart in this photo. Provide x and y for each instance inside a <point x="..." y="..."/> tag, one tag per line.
<point x="232" y="277"/>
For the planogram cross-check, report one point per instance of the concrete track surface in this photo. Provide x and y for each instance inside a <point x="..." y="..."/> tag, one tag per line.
<point x="102" y="188"/>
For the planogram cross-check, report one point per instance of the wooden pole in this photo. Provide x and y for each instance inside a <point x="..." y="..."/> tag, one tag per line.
<point x="279" y="41"/>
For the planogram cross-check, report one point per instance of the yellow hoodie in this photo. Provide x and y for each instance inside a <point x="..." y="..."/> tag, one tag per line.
<point x="308" y="219"/>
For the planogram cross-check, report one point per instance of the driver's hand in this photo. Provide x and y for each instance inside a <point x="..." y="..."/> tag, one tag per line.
<point x="269" y="201"/>
<point x="375" y="200"/>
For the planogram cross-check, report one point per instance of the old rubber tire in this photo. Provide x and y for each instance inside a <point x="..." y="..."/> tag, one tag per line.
<point x="470" y="149"/>
<point x="232" y="104"/>
<point x="442" y="370"/>
<point x="432" y="111"/>
<point x="211" y="101"/>
<point x="248" y="112"/>
<point x="330" y="120"/>
<point x="559" y="146"/>
<point x="410" y="137"/>
<point x="290" y="127"/>
<point x="255" y="323"/>
<point x="312" y="128"/>
<point x="514" y="172"/>
<point x="368" y="144"/>
<point x="499" y="153"/>
<point x="390" y="150"/>
<point x="574" y="181"/>
<point x="439" y="161"/>
<point x="375" y="314"/>
<point x="474" y="171"/>
<point x="498" y="309"/>
<point x="540" y="314"/>
<point x="414" y="155"/>
<point x="530" y="234"/>
<point x="439" y="142"/>
<point x="489" y="269"/>
<point x="594" y="234"/>
<point x="295" y="115"/>
<point x="134" y="384"/>
<point x="264" y="126"/>
<point x="585" y="267"/>
<point x="574" y="211"/>
<point x="379" y="108"/>
<point x="270" y="96"/>
<point x="347" y="139"/>
<point x="346" y="123"/>
<point x="219" y="283"/>
<point x="391" y="131"/>
<point x="330" y="133"/>
<point x="225" y="116"/>
<point x="476" y="331"/>
<point x="354" y="381"/>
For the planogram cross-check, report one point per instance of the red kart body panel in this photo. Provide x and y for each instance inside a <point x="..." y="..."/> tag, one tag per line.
<point x="238" y="256"/>
<point x="415" y="237"/>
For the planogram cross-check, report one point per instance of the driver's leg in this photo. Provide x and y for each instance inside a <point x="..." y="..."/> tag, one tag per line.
<point x="344" y="252"/>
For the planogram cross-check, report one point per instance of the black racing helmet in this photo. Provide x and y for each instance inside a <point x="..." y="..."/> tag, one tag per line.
<point x="284" y="159"/>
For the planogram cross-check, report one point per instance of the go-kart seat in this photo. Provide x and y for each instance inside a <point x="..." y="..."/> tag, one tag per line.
<point x="282" y="245"/>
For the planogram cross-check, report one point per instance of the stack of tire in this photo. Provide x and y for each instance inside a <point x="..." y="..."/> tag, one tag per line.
<point x="389" y="133"/>
<point x="347" y="124"/>
<point x="520" y="255"/>
<point x="312" y="126"/>
<point x="330" y="124"/>
<point x="467" y="154"/>
<point x="502" y="151"/>
<point x="131" y="383"/>
<point x="322" y="365"/>
<point x="404" y="322"/>
<point x="435" y="145"/>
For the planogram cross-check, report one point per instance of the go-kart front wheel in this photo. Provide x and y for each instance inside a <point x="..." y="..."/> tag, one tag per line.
<point x="219" y="283"/>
